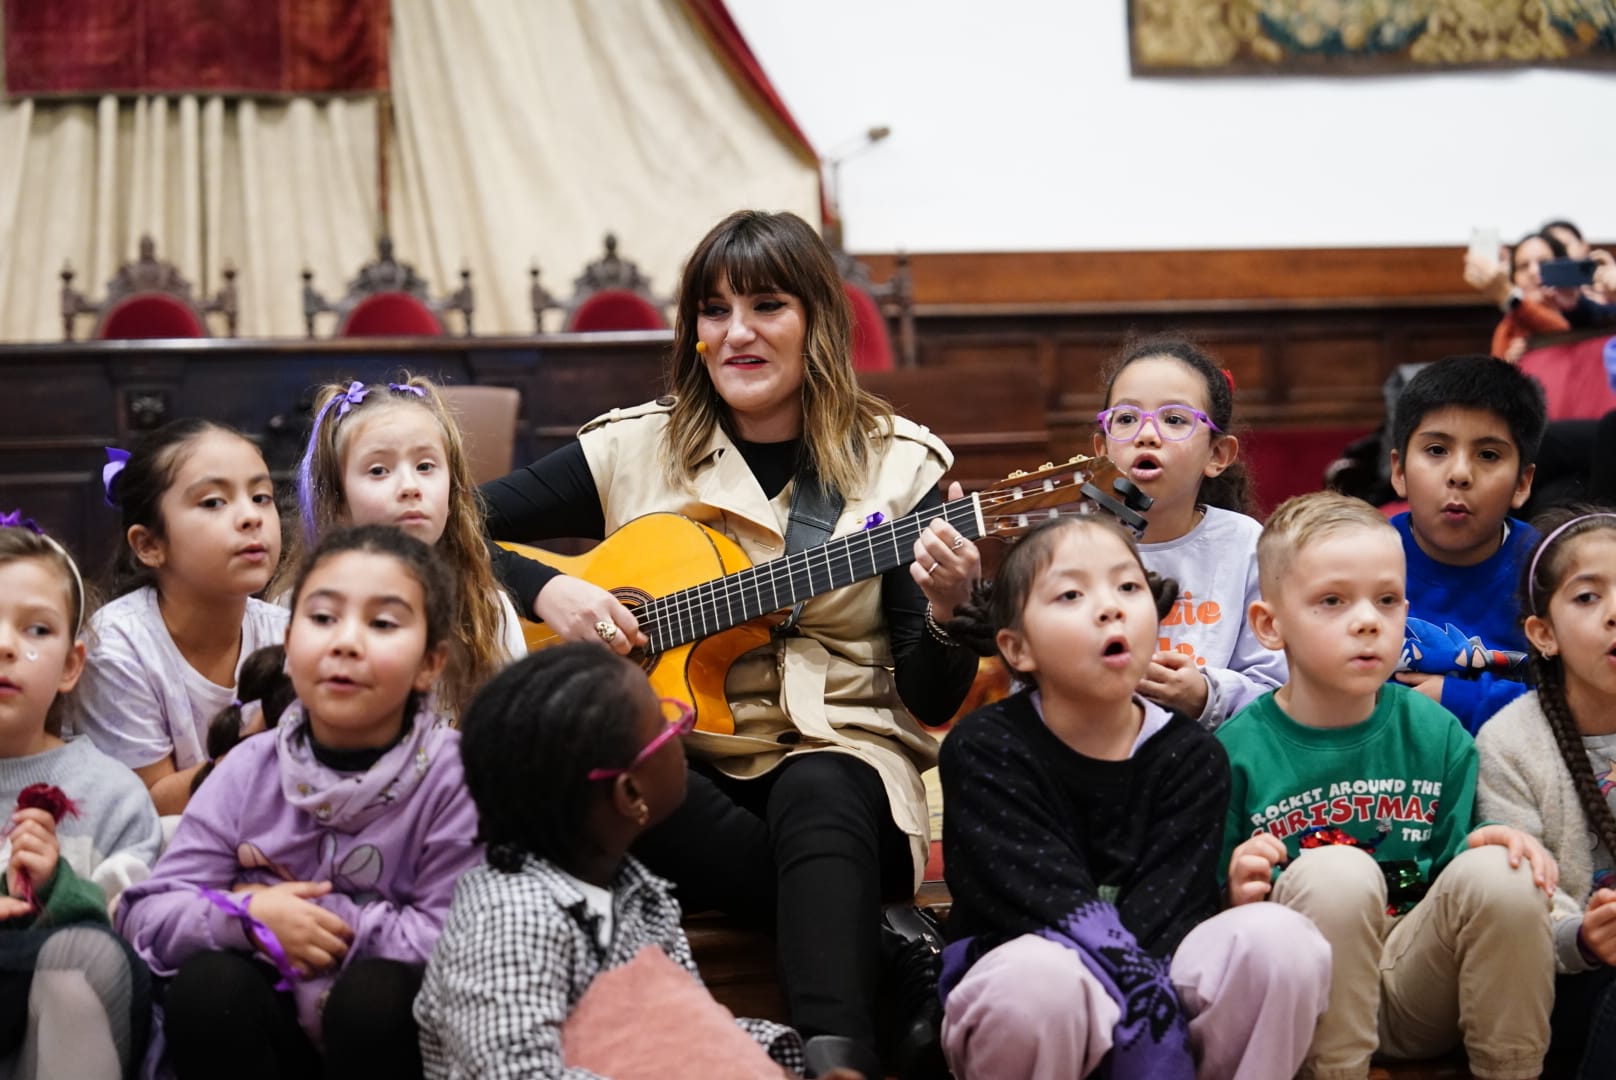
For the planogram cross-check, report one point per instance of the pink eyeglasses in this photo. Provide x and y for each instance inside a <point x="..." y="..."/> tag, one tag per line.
<point x="681" y="721"/>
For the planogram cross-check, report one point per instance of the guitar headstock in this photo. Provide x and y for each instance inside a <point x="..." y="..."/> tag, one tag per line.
<point x="1081" y="485"/>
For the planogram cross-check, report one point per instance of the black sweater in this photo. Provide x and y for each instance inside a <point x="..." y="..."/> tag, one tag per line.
<point x="556" y="497"/>
<point x="1033" y="830"/>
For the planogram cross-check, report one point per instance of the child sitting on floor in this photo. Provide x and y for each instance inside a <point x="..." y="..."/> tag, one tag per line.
<point x="310" y="876"/>
<point x="569" y="757"/>
<point x="1080" y="832"/>
<point x="74" y="1000"/>
<point x="1466" y="431"/>
<point x="1362" y="790"/>
<point x="1167" y="425"/>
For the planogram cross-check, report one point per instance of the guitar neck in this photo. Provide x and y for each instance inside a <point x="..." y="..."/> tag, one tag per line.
<point x="718" y="605"/>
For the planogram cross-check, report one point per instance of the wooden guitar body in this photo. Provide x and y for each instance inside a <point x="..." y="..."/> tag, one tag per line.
<point x="657" y="555"/>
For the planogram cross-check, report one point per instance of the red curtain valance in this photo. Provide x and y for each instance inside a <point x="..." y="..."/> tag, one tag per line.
<point x="94" y="47"/>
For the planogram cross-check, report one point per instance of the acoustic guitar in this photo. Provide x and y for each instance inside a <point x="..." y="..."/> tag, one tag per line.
<point x="702" y="604"/>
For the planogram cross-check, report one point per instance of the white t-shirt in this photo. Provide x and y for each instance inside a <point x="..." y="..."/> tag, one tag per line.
<point x="140" y="701"/>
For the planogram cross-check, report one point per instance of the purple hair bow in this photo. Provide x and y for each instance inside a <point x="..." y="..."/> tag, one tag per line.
<point x="116" y="460"/>
<point x="15" y="520"/>
<point x="343" y="402"/>
<point x="406" y="388"/>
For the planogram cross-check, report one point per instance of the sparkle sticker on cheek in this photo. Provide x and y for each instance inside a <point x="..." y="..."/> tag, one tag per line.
<point x="31" y="654"/>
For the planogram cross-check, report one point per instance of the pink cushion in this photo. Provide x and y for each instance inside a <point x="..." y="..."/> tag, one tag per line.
<point x="872" y="345"/>
<point x="390" y="314"/>
<point x="1573" y="378"/>
<point x="152" y="315"/>
<point x="615" y="309"/>
<point x="649" y="1020"/>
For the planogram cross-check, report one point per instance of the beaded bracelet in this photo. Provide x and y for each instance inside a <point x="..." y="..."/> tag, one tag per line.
<point x="935" y="629"/>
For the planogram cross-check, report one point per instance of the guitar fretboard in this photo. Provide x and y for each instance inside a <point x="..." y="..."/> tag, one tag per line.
<point x="717" y="605"/>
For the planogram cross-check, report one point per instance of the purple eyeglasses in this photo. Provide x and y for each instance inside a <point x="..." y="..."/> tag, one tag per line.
<point x="1174" y="423"/>
<point x="682" y="724"/>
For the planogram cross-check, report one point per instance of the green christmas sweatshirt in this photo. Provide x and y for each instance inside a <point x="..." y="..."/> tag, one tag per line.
<point x="1401" y="785"/>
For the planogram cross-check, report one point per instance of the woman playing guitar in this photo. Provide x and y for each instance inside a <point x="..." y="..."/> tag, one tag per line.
<point x="811" y="811"/>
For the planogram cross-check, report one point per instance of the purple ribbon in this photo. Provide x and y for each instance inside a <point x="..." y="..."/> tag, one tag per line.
<point x="236" y="904"/>
<point x="343" y="402"/>
<point x="15" y="520"/>
<point x="406" y="388"/>
<point x="116" y="460"/>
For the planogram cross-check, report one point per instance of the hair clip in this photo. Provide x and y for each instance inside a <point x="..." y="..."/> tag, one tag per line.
<point x="406" y="388"/>
<point x="15" y="520"/>
<point x="343" y="402"/>
<point x="116" y="460"/>
<point x="1229" y="377"/>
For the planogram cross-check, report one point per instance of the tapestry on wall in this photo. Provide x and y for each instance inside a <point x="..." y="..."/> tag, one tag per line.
<point x="94" y="47"/>
<point x="1349" y="37"/>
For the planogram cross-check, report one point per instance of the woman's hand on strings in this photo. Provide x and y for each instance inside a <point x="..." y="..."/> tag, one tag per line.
<point x="947" y="565"/>
<point x="579" y="611"/>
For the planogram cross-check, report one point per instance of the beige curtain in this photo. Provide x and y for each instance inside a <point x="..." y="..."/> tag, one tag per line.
<point x="528" y="130"/>
<point x="269" y="188"/>
<point x="525" y="130"/>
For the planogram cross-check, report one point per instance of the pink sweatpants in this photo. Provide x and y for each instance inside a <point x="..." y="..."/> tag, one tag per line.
<point x="1253" y="981"/>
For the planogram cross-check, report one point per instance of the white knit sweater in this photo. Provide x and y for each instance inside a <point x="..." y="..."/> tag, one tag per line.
<point x="1524" y="782"/>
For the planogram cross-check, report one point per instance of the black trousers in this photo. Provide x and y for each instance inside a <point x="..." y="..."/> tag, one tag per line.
<point x="808" y="850"/>
<point x="1583" y="1024"/>
<point x="224" y="1017"/>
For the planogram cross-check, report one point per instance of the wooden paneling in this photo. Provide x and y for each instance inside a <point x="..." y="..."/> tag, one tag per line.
<point x="1048" y="280"/>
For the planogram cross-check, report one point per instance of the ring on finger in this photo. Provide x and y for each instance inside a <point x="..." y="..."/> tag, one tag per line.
<point x="958" y="543"/>
<point x="606" y="630"/>
<point x="931" y="569"/>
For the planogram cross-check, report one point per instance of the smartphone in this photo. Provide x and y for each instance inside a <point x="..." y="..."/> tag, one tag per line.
<point x="1484" y="244"/>
<point x="1566" y="273"/>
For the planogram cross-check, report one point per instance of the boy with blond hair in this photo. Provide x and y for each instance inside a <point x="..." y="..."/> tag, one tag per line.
<point x="1351" y="802"/>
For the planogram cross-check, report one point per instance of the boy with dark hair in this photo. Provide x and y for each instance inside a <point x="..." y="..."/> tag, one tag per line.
<point x="1466" y="432"/>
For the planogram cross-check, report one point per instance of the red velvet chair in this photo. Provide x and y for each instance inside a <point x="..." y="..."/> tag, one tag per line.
<point x="611" y="294"/>
<point x="873" y="306"/>
<point x="148" y="298"/>
<point x="1573" y="377"/>
<point x="388" y="299"/>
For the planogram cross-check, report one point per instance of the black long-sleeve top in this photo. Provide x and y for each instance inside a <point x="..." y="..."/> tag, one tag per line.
<point x="556" y="497"/>
<point x="1033" y="830"/>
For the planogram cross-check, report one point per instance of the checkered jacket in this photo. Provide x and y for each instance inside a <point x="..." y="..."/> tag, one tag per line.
<point x="519" y="950"/>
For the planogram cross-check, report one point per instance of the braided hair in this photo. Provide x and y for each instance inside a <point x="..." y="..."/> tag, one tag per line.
<point x="529" y="740"/>
<point x="1545" y="571"/>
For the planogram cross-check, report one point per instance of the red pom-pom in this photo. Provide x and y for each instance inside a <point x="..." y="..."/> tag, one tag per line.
<point x="49" y="798"/>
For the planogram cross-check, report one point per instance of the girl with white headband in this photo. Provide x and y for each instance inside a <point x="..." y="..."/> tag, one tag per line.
<point x="75" y="827"/>
<point x="1548" y="766"/>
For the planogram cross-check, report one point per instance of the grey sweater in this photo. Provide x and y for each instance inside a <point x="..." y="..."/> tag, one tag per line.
<point x="1524" y="782"/>
<point x="115" y="837"/>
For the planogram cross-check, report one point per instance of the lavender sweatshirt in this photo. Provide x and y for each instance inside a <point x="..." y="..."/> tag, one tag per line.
<point x="392" y="840"/>
<point x="1215" y="565"/>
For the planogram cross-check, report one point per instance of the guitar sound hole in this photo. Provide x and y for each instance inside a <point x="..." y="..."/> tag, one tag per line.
<point x="633" y="598"/>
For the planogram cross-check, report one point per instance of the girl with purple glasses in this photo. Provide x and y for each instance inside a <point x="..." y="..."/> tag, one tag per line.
<point x="1167" y="424"/>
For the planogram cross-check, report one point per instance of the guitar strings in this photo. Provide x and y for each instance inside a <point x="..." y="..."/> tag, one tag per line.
<point x="688" y="607"/>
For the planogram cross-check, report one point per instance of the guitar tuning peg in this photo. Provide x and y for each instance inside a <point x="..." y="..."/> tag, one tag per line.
<point x="1077" y="459"/>
<point x="1046" y="465"/>
<point x="1017" y="474"/>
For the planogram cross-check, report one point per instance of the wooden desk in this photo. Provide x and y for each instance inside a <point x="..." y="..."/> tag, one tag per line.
<point x="63" y="403"/>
